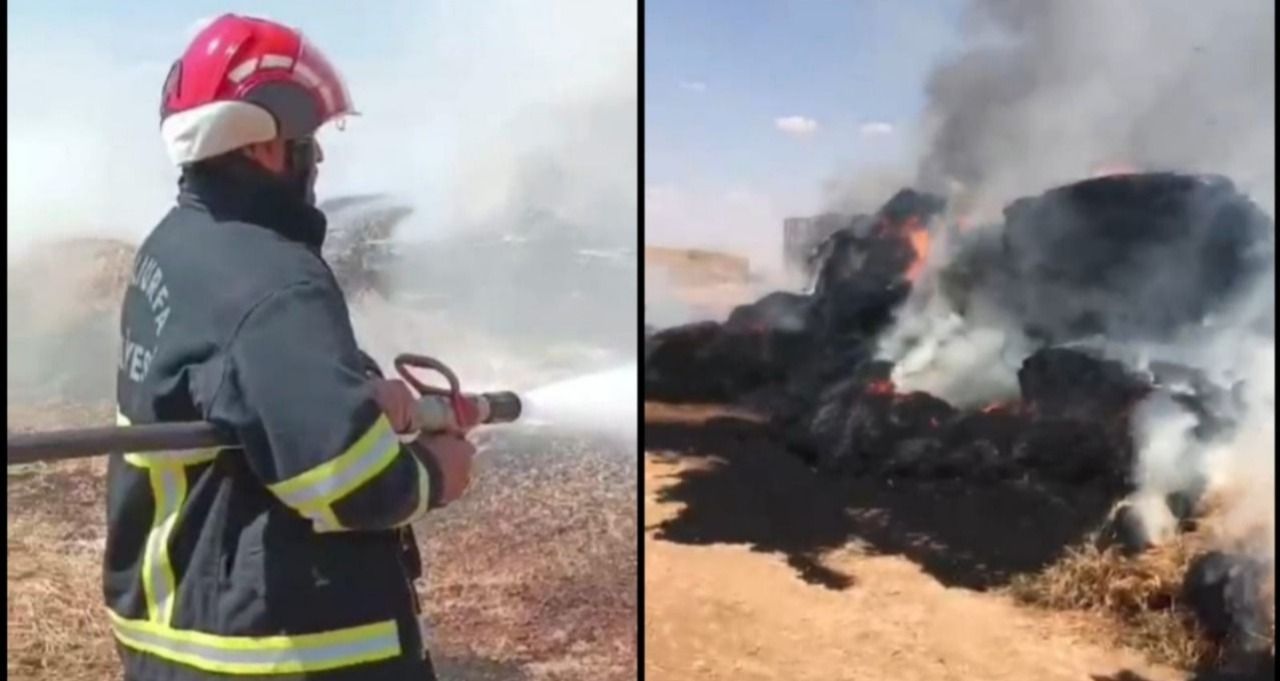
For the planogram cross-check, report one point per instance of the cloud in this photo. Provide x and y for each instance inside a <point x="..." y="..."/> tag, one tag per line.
<point x="693" y="86"/>
<point x="797" y="126"/>
<point x="875" y="129"/>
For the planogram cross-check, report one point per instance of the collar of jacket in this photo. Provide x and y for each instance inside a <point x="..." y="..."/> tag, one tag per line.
<point x="235" y="189"/>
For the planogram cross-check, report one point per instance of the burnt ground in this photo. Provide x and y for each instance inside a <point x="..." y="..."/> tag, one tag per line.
<point x="724" y="600"/>
<point x="531" y="576"/>
<point x="751" y="557"/>
<point x="977" y="536"/>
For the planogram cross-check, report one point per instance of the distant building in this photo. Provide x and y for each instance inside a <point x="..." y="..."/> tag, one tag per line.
<point x="800" y="236"/>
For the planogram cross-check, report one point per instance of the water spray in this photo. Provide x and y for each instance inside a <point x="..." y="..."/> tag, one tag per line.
<point x="603" y="402"/>
<point x="439" y="410"/>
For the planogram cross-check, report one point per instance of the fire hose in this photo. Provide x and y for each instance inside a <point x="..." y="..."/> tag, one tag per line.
<point x="438" y="410"/>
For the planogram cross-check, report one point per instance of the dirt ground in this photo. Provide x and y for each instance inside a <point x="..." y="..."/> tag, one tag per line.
<point x="740" y="584"/>
<point x="531" y="576"/>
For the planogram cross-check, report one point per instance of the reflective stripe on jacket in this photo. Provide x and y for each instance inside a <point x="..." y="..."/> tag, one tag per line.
<point x="284" y="556"/>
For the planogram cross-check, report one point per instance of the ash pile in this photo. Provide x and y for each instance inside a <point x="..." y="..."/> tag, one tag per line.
<point x="1057" y="347"/>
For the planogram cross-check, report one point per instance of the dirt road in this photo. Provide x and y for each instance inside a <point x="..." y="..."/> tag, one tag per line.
<point x="742" y="610"/>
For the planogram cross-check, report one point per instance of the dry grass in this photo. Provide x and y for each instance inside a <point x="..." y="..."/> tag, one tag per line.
<point x="56" y="627"/>
<point x="1138" y="596"/>
<point x="533" y="573"/>
<point x="538" y="565"/>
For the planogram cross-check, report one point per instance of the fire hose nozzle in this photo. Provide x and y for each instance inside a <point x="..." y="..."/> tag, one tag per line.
<point x="504" y="406"/>
<point x="445" y="409"/>
<point x="438" y="413"/>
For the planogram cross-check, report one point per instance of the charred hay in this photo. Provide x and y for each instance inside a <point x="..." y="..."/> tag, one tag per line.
<point x="1227" y="592"/>
<point x="1128" y="258"/>
<point x="1131" y="257"/>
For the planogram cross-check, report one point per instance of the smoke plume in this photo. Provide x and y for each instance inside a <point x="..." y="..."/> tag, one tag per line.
<point x="1048" y="92"/>
<point x="1150" y="269"/>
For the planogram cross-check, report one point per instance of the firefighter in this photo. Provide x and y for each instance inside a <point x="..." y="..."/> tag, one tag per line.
<point x="290" y="556"/>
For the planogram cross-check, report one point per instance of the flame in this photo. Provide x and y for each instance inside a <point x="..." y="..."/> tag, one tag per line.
<point x="919" y="238"/>
<point x="916" y="234"/>
<point x="882" y="386"/>
<point x="1109" y="169"/>
<point x="1005" y="407"/>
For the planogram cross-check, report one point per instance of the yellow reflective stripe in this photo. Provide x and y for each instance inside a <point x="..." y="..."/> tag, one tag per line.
<point x="261" y="655"/>
<point x="168" y="477"/>
<point x="424" y="493"/>
<point x="192" y="457"/>
<point x="186" y="457"/>
<point x="169" y="490"/>
<point x="326" y="521"/>
<point x="310" y="492"/>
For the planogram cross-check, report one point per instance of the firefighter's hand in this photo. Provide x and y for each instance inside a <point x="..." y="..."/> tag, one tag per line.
<point x="452" y="457"/>
<point x="398" y="403"/>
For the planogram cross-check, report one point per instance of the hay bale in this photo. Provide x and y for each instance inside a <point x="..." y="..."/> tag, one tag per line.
<point x="1178" y="601"/>
<point x="1139" y="596"/>
<point x="1227" y="593"/>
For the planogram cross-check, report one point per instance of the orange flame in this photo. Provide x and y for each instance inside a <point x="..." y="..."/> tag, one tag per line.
<point x="1109" y="169"/>
<point x="881" y="386"/>
<point x="919" y="238"/>
<point x="1008" y="407"/>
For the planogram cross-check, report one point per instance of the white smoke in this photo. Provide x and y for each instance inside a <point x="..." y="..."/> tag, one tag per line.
<point x="481" y="111"/>
<point x="476" y="115"/>
<point x="462" y="106"/>
<point x="84" y="154"/>
<point x="1047" y="93"/>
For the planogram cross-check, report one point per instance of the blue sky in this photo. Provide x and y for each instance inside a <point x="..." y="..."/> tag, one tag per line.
<point x="143" y="29"/>
<point x="719" y="74"/>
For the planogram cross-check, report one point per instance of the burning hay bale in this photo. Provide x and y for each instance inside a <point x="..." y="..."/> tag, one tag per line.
<point x="1131" y="257"/>
<point x="1227" y="592"/>
<point x="1067" y="265"/>
<point x="1071" y="384"/>
<point x="864" y="425"/>
<point x="1090" y="283"/>
<point x="358" y="241"/>
<point x="866" y="272"/>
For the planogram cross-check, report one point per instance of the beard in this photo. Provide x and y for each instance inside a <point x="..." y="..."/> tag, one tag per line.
<point x="302" y="169"/>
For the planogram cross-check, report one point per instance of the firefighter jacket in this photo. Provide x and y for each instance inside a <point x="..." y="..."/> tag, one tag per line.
<point x="283" y="557"/>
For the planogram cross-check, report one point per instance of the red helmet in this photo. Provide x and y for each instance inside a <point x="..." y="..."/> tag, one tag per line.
<point x="245" y="80"/>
